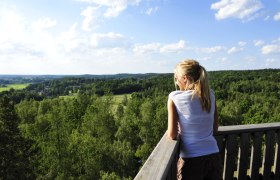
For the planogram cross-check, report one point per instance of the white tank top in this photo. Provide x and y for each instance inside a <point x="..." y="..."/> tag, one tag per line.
<point x="195" y="125"/>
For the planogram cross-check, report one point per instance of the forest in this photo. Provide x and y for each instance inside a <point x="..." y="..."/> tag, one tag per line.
<point x="73" y="128"/>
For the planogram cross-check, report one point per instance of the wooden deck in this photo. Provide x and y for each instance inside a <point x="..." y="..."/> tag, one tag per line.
<point x="248" y="152"/>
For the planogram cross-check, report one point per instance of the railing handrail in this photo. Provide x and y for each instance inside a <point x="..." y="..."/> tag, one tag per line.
<point x="235" y="129"/>
<point x="160" y="159"/>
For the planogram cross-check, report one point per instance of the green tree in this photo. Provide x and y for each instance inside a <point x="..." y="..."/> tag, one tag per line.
<point x="15" y="151"/>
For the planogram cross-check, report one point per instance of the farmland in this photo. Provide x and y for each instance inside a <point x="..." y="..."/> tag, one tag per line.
<point x="14" y="86"/>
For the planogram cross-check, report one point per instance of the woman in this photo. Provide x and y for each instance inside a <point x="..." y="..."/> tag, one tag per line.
<point x="192" y="116"/>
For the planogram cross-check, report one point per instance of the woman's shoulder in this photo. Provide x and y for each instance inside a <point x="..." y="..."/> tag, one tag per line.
<point x="173" y="92"/>
<point x="176" y="92"/>
<point x="179" y="93"/>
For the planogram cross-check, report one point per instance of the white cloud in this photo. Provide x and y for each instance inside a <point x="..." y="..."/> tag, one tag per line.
<point x="43" y="23"/>
<point x="159" y="48"/>
<point x="110" y="39"/>
<point x="258" y="42"/>
<point x="272" y="48"/>
<point x="234" y="50"/>
<point x="69" y="40"/>
<point x="276" y="17"/>
<point x="151" y="11"/>
<point x="242" y="43"/>
<point x="241" y="9"/>
<point x="147" y="48"/>
<point x="100" y="9"/>
<point x="181" y="45"/>
<point x="224" y="59"/>
<point x="17" y="37"/>
<point x="91" y="19"/>
<point x="115" y="7"/>
<point x="213" y="49"/>
<point x="12" y="26"/>
<point x="114" y="11"/>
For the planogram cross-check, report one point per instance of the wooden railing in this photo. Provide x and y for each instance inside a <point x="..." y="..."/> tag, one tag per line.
<point x="248" y="152"/>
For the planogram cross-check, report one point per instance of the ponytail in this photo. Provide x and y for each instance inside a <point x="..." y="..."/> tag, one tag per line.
<point x="202" y="90"/>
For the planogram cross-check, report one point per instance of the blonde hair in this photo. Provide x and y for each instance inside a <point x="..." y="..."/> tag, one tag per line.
<point x="197" y="81"/>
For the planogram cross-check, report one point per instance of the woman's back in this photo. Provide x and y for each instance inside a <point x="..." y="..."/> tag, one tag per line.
<point x="195" y="124"/>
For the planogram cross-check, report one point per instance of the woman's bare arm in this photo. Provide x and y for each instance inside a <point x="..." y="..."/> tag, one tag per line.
<point x="172" y="130"/>
<point x="216" y="120"/>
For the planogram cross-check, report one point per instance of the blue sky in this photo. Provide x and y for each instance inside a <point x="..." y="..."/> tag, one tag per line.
<point x="137" y="36"/>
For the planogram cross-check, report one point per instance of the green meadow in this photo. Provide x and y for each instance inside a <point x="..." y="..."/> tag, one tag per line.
<point x="119" y="98"/>
<point x="14" y="86"/>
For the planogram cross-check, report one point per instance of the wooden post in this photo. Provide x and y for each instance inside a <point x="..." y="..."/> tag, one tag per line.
<point x="268" y="154"/>
<point x="256" y="156"/>
<point x="230" y="155"/>
<point x="277" y="158"/>
<point x="243" y="154"/>
<point x="221" y="144"/>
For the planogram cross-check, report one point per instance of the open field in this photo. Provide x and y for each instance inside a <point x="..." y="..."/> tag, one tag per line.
<point x="14" y="86"/>
<point x="119" y="98"/>
<point x="74" y="95"/>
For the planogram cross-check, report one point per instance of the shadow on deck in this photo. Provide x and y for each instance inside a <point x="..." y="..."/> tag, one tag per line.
<point x="248" y="152"/>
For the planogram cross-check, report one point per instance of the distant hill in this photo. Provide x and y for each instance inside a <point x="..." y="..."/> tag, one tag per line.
<point x="20" y="79"/>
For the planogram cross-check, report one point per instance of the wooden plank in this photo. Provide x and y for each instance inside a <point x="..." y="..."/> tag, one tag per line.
<point x="277" y="158"/>
<point x="159" y="162"/>
<point x="237" y="129"/>
<point x="268" y="154"/>
<point x="222" y="145"/>
<point x="243" y="154"/>
<point x="256" y="156"/>
<point x="231" y="152"/>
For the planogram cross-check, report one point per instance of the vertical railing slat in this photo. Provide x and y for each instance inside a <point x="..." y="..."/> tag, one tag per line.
<point x="256" y="155"/>
<point x="243" y="153"/>
<point x="277" y="158"/>
<point x="268" y="154"/>
<point x="230" y="154"/>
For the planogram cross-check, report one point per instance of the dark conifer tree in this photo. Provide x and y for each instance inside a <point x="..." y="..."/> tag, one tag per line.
<point x="15" y="151"/>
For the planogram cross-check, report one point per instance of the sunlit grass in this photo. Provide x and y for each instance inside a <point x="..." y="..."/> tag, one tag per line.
<point x="119" y="98"/>
<point x="73" y="95"/>
<point x="14" y="86"/>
